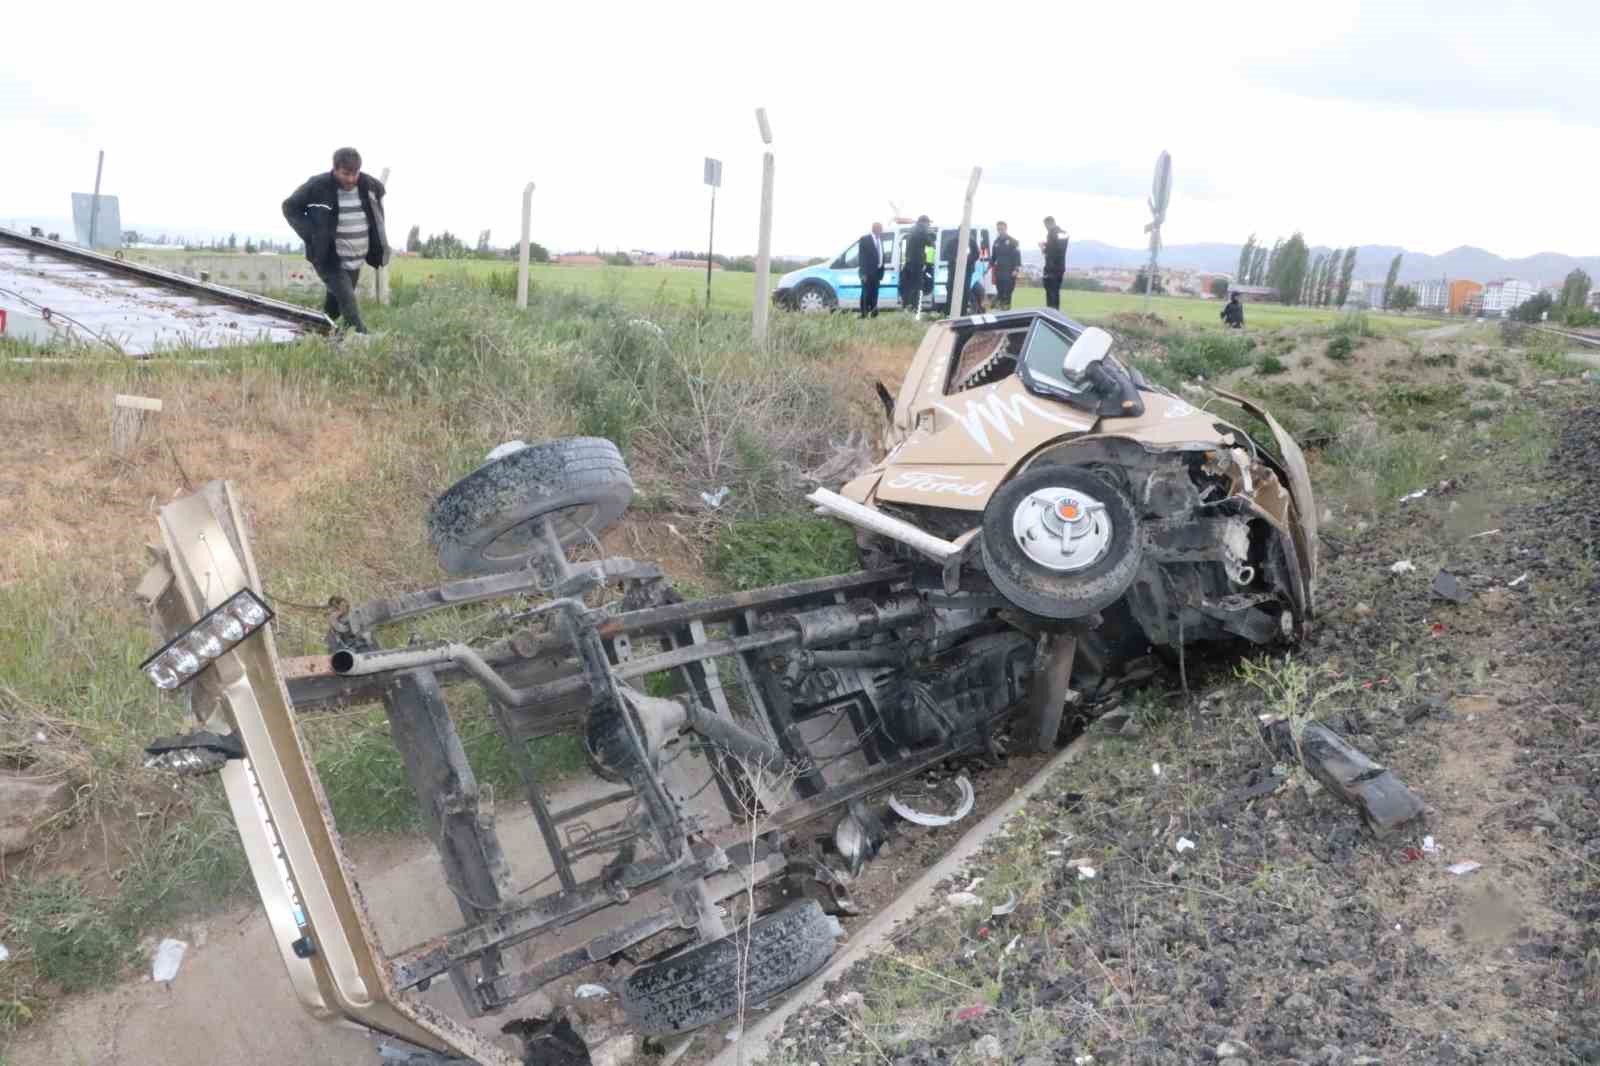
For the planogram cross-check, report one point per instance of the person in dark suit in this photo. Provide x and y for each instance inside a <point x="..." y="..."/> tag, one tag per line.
<point x="915" y="279"/>
<point x="869" y="265"/>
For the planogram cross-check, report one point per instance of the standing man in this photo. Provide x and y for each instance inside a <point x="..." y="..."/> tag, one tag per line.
<point x="869" y="265"/>
<point x="913" y="263"/>
<point x="339" y="215"/>
<point x="1004" y="262"/>
<point x="1054" y="247"/>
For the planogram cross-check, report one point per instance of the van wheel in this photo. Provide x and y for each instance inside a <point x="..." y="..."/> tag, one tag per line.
<point x="813" y="298"/>
<point x="1060" y="543"/>
<point x="701" y="985"/>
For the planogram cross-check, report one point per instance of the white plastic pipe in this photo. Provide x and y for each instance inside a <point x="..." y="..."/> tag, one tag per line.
<point x="522" y="252"/>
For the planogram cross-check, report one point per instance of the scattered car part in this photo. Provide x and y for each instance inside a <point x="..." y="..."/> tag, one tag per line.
<point x="1382" y="799"/>
<point x="1000" y="910"/>
<point x="1447" y="586"/>
<point x="933" y="821"/>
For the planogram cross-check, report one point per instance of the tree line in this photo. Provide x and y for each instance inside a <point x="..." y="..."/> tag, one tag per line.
<point x="1570" y="307"/>
<point x="1300" y="278"/>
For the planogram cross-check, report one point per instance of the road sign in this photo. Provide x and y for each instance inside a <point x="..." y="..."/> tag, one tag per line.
<point x="1161" y="190"/>
<point x="713" y="172"/>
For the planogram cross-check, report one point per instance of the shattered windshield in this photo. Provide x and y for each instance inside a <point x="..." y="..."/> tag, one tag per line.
<point x="1044" y="353"/>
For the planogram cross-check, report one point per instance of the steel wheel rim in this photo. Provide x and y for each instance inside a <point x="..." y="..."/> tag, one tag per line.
<point x="1062" y="529"/>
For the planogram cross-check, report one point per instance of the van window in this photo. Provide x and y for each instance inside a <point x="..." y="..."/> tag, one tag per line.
<point x="848" y="258"/>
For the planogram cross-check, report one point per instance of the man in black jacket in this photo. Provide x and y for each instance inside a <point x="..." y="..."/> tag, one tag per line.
<point x="1054" y="247"/>
<point x="915" y="277"/>
<point x="1233" y="313"/>
<point x="1004" y="261"/>
<point x="869" y="265"/>
<point x="339" y="215"/>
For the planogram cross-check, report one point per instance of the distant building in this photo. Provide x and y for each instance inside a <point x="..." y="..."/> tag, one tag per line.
<point x="1433" y="295"/>
<point x="1254" y="294"/>
<point x="1462" y="293"/>
<point x="1594" y="300"/>
<point x="578" y="260"/>
<point x="1503" y="297"/>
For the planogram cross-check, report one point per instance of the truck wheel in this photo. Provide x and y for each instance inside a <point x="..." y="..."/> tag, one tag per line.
<point x="488" y="521"/>
<point x="1060" y="543"/>
<point x="701" y="985"/>
<point x="813" y="298"/>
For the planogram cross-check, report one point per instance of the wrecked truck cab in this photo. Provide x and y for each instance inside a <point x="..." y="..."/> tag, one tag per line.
<point x="1043" y="519"/>
<point x="1023" y="458"/>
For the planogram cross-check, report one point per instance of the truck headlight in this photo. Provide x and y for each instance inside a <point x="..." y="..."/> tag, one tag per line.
<point x="219" y="632"/>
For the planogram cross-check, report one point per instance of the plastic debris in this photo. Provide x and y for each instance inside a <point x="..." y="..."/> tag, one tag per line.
<point x="1012" y="946"/>
<point x="169" y="956"/>
<point x="1184" y="844"/>
<point x="1404" y="566"/>
<point x="714" y="500"/>
<point x="1485" y="533"/>
<point x="1461" y="868"/>
<point x="962" y="899"/>
<point x="591" y="991"/>
<point x="500" y="451"/>
<point x="972" y="886"/>
<point x="1419" y="494"/>
<point x="5" y="953"/>
<point x="1447" y="586"/>
<point x="1519" y="580"/>
<point x="1155" y="768"/>
<point x="1000" y="910"/>
<point x="1086" y="873"/>
<point x="963" y="808"/>
<point x="646" y="324"/>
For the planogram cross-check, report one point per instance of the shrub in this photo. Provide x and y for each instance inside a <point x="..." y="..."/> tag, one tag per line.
<point x="1340" y="348"/>
<point x="1208" y="355"/>
<point x="1271" y="364"/>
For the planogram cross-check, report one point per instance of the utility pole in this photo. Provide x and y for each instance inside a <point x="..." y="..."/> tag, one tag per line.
<point x="763" y="303"/>
<point x="522" y="253"/>
<point x="713" y="179"/>
<point x="958" y="275"/>
<point x="380" y="281"/>
<point x="94" y="205"/>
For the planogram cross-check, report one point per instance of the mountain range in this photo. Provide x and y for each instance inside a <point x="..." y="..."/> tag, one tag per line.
<point x="1372" y="261"/>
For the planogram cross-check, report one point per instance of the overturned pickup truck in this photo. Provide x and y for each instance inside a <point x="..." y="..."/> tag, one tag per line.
<point x="1044" y="527"/>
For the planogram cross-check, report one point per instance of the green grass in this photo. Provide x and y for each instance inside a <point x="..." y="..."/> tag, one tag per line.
<point x="752" y="554"/>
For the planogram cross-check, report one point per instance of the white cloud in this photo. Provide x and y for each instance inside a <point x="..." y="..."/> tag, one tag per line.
<point x="211" y="114"/>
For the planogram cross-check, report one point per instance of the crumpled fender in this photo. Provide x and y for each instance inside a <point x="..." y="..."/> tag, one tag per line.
<point x="1305" y="501"/>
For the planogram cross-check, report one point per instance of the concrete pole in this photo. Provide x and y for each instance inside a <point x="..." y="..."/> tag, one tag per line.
<point x="959" y="275"/>
<point x="763" y="301"/>
<point x="94" y="205"/>
<point x="522" y="252"/>
<point x="381" y="281"/>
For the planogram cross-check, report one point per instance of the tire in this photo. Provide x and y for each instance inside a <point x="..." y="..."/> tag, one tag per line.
<point x="1049" y="593"/>
<point x="813" y="298"/>
<point x="484" y="523"/>
<point x="701" y="985"/>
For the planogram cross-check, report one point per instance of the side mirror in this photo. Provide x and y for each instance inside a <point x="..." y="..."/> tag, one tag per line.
<point x="1090" y="347"/>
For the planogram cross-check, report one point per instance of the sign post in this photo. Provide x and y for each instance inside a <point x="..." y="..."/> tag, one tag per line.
<point x="1160" y="194"/>
<point x="94" y="205"/>
<point x="958" y="275"/>
<point x="713" y="179"/>
<point x="763" y="303"/>
<point x="522" y="252"/>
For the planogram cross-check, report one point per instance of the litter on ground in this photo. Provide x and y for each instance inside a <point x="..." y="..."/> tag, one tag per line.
<point x="933" y="821"/>
<point x="169" y="956"/>
<point x="591" y="991"/>
<point x="1184" y="844"/>
<point x="1461" y="868"/>
<point x="1404" y="566"/>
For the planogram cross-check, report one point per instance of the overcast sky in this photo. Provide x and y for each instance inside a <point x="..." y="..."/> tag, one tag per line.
<point x="1427" y="125"/>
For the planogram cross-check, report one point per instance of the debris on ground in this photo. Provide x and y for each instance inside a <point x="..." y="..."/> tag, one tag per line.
<point x="1000" y="910"/>
<point x="5" y="953"/>
<point x="1184" y="844"/>
<point x="1518" y="581"/>
<point x="1404" y="566"/>
<point x="1408" y="497"/>
<point x="1461" y="868"/>
<point x="1447" y="586"/>
<point x="963" y="899"/>
<point x="591" y="991"/>
<point x="714" y="500"/>
<point x="933" y="821"/>
<point x="1382" y="799"/>
<point x="26" y="804"/>
<point x="169" y="956"/>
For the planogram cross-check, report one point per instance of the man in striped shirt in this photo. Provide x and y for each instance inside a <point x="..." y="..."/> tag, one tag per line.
<point x="339" y="214"/>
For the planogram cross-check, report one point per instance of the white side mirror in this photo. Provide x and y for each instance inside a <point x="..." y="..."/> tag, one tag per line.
<point x="1090" y="347"/>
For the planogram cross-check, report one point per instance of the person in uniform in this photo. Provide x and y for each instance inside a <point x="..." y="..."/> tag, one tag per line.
<point x="1054" y="247"/>
<point x="913" y="264"/>
<point x="1004" y="262"/>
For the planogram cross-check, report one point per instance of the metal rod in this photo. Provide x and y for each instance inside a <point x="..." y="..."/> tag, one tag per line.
<point x="522" y="252"/>
<point x="710" y="244"/>
<point x="94" y="205"/>
<point x="763" y="301"/>
<point x="958" y="269"/>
